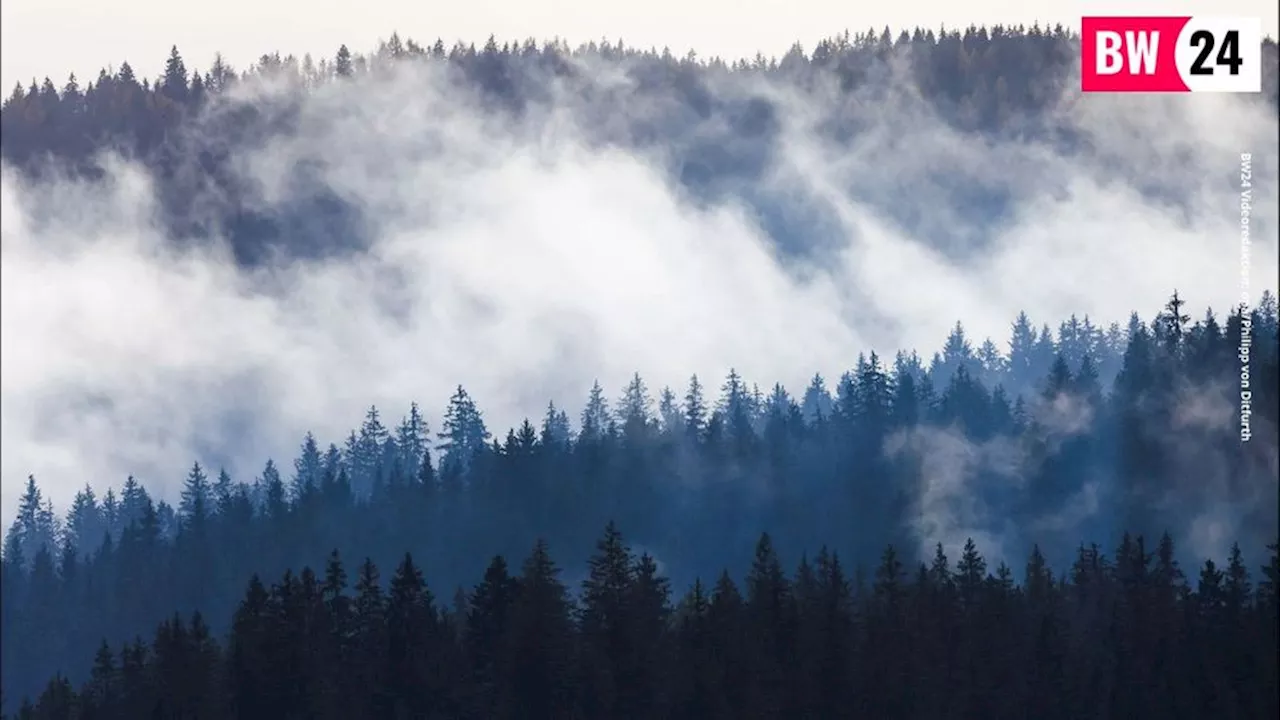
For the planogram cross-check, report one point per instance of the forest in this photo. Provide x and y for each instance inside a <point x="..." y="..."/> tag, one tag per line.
<point x="1125" y="637"/>
<point x="696" y="479"/>
<point x="985" y="531"/>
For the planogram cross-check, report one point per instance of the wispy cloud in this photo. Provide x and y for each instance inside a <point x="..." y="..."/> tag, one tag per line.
<point x="525" y="258"/>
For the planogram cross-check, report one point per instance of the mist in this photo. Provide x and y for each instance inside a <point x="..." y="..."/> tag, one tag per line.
<point x="526" y="255"/>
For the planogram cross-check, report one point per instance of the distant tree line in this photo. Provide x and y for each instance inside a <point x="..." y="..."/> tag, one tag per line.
<point x="696" y="479"/>
<point x="1002" y="81"/>
<point x="981" y="78"/>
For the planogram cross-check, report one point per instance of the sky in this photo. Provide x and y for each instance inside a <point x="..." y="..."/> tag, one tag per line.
<point x="57" y="37"/>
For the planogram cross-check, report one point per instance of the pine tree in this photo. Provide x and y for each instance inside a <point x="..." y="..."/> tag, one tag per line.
<point x="463" y="432"/>
<point x="669" y="413"/>
<point x="487" y="634"/>
<point x="541" y="642"/>
<point x="695" y="409"/>
<point x="648" y="610"/>
<point x="555" y="428"/>
<point x="196" y="501"/>
<point x="595" y="416"/>
<point x="1172" y="323"/>
<point x="634" y="410"/>
<point x="308" y="469"/>
<point x="174" y="85"/>
<point x="971" y="573"/>
<point x="342" y="63"/>
<point x="415" y="682"/>
<point x="770" y="604"/>
<point x="369" y="643"/>
<point x="607" y="639"/>
<point x="85" y="524"/>
<point x="248" y="661"/>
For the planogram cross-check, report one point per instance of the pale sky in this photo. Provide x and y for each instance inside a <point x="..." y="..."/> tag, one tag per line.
<point x="57" y="37"/>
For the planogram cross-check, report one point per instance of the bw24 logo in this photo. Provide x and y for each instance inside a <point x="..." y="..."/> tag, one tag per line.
<point x="1170" y="54"/>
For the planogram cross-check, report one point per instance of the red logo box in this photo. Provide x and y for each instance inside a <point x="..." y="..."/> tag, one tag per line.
<point x="1131" y="54"/>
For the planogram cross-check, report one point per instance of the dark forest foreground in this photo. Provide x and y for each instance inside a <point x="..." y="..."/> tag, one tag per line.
<point x="1127" y="637"/>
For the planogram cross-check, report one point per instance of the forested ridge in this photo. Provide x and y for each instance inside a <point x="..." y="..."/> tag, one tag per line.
<point x="695" y="480"/>
<point x="192" y="131"/>
<point x="1063" y="523"/>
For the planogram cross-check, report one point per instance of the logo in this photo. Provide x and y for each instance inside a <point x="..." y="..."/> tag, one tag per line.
<point x="1170" y="54"/>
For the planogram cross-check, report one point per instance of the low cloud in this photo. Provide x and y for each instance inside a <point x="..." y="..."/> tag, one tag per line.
<point x="523" y="258"/>
<point x="955" y="487"/>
